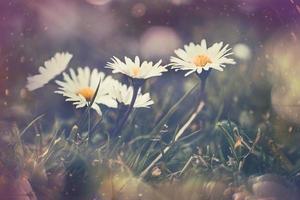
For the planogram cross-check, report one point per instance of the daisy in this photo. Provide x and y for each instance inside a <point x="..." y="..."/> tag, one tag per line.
<point x="80" y="88"/>
<point x="123" y="95"/>
<point x="53" y="67"/>
<point x="135" y="69"/>
<point x="199" y="57"/>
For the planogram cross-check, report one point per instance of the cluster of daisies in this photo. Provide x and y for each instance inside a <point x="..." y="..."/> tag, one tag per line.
<point x="89" y="87"/>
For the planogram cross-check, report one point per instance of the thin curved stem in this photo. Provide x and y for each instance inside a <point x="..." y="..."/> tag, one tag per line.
<point x="199" y="108"/>
<point x="89" y="126"/>
<point x="126" y="115"/>
<point x="177" y="136"/>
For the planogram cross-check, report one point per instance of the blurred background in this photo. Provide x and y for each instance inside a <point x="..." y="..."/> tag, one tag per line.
<point x="264" y="36"/>
<point x="260" y="92"/>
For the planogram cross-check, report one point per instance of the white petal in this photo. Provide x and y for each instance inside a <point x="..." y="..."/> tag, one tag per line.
<point x="52" y="67"/>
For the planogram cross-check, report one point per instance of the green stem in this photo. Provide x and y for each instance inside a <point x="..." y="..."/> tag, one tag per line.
<point x="126" y="115"/>
<point x="203" y="77"/>
<point x="202" y="88"/>
<point x="89" y="126"/>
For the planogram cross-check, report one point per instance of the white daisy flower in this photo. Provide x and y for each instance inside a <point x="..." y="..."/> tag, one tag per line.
<point x="123" y="94"/>
<point x="80" y="88"/>
<point x="199" y="57"/>
<point x="135" y="69"/>
<point x="53" y="67"/>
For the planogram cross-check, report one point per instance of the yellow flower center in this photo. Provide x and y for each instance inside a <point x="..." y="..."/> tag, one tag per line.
<point x="87" y="93"/>
<point x="136" y="71"/>
<point x="201" y="60"/>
